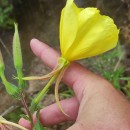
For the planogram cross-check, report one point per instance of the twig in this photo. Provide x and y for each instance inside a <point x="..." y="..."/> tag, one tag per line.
<point x="118" y="63"/>
<point x="7" y="50"/>
<point x="10" y="109"/>
<point x="12" y="124"/>
<point x="127" y="69"/>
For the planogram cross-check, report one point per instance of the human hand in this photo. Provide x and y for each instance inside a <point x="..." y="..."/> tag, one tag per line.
<point x="96" y="104"/>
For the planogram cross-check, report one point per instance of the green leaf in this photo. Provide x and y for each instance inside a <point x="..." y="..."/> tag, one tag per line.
<point x="10" y="88"/>
<point x="34" y="106"/>
<point x="125" y="78"/>
<point x="14" y="91"/>
<point x="38" y="125"/>
<point x="25" y="117"/>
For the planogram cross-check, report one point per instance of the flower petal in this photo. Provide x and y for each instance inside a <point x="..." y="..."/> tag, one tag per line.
<point x="68" y="25"/>
<point x="96" y="34"/>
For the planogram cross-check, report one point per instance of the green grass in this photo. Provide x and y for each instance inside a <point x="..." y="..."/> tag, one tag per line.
<point x="5" y="14"/>
<point x="14" y="116"/>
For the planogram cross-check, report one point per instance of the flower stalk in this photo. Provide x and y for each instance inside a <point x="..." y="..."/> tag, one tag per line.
<point x="39" y="97"/>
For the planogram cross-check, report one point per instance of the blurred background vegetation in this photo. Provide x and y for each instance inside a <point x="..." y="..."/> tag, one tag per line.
<point x="40" y="19"/>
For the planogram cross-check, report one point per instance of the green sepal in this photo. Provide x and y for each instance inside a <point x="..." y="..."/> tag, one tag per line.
<point x="63" y="62"/>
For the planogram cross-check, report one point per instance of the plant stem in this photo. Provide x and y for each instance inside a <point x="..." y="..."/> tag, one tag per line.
<point x="44" y="90"/>
<point x="27" y="109"/>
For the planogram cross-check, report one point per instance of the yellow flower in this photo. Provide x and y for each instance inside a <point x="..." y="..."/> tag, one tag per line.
<point x="85" y="32"/>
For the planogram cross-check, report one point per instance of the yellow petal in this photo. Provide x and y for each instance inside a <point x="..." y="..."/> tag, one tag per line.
<point x="68" y="25"/>
<point x="96" y="33"/>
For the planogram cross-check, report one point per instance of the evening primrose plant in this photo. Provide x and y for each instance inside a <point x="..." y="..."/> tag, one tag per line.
<point x="84" y="33"/>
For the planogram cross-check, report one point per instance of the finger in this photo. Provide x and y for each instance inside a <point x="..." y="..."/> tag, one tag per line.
<point x="51" y="115"/>
<point x="48" y="55"/>
<point x="76" y="76"/>
<point x="25" y="123"/>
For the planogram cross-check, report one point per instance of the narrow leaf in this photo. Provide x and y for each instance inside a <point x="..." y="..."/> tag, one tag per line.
<point x="25" y="117"/>
<point x="38" y="125"/>
<point x="10" y="88"/>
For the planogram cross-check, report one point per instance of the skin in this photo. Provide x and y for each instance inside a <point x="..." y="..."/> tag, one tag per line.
<point x="97" y="105"/>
